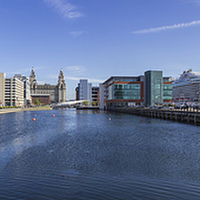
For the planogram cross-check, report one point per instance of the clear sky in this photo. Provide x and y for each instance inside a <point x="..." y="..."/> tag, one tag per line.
<point x="96" y="39"/>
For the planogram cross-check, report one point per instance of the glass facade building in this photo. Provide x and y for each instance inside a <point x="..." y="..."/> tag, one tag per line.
<point x="167" y="91"/>
<point x="147" y="90"/>
<point x="121" y="91"/>
<point x="154" y="87"/>
<point x="124" y="91"/>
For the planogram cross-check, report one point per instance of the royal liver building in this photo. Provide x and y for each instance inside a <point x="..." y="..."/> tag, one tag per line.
<point x="55" y="93"/>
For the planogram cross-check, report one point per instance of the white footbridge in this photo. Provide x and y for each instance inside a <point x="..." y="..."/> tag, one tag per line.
<point x="67" y="103"/>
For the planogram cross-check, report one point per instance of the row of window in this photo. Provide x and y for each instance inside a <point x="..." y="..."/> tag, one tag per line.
<point x="124" y="91"/>
<point x="167" y="87"/>
<point x="127" y="86"/>
<point x="133" y="91"/>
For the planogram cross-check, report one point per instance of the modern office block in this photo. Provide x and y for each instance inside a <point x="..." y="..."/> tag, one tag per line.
<point x="27" y="94"/>
<point x="167" y="89"/>
<point x="90" y="93"/>
<point x="154" y="88"/>
<point x="95" y="94"/>
<point x="14" y="92"/>
<point x="147" y="90"/>
<point x="102" y="96"/>
<point x="84" y="91"/>
<point x="124" y="91"/>
<point x="2" y="89"/>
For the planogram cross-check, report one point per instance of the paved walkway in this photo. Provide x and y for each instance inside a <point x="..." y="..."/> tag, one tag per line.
<point x="10" y="110"/>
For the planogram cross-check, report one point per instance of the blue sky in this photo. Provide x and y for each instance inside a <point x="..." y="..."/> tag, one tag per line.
<point x="96" y="39"/>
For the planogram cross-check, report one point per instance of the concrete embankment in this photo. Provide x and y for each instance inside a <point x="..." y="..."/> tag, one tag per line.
<point x="10" y="110"/>
<point x="87" y="108"/>
<point x="186" y="115"/>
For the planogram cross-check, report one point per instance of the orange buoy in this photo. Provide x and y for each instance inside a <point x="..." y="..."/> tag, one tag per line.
<point x="53" y="115"/>
<point x="33" y="119"/>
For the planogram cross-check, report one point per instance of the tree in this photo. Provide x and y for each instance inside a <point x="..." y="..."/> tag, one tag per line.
<point x="85" y="103"/>
<point x="94" y="103"/>
<point x="37" y="102"/>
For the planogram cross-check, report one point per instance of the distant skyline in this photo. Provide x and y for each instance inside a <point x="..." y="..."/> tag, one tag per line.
<point x="98" y="39"/>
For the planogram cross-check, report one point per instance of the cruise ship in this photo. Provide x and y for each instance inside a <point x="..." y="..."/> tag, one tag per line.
<point x="187" y="87"/>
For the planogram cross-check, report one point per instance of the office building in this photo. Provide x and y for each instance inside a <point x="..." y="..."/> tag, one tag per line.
<point x="124" y="91"/>
<point x="95" y="95"/>
<point x="158" y="89"/>
<point x="102" y="96"/>
<point x="154" y="88"/>
<point x="14" y="92"/>
<point x="84" y="91"/>
<point x="2" y="89"/>
<point x="167" y="89"/>
<point x="27" y="96"/>
<point x="147" y="90"/>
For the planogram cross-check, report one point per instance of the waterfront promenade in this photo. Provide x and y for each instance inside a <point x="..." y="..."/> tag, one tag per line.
<point x="11" y="110"/>
<point x="187" y="115"/>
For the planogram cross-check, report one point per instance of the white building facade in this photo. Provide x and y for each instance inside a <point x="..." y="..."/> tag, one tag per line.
<point x="2" y="89"/>
<point x="27" y="93"/>
<point x="85" y="90"/>
<point x="14" y="92"/>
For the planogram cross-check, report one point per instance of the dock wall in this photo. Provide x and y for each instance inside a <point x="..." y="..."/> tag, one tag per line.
<point x="186" y="115"/>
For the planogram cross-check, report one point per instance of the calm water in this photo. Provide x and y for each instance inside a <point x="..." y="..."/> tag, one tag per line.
<point x="97" y="155"/>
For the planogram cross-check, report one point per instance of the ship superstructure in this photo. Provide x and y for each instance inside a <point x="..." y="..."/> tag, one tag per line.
<point x="187" y="86"/>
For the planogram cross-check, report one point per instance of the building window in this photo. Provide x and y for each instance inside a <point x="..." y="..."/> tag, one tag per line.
<point x="126" y="91"/>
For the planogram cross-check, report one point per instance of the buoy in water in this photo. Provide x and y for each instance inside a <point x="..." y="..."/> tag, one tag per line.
<point x="53" y="115"/>
<point x="109" y="118"/>
<point x="33" y="119"/>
